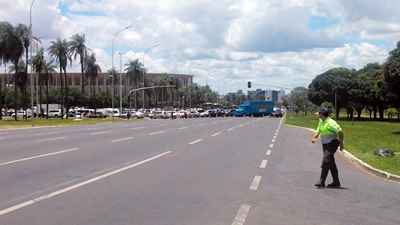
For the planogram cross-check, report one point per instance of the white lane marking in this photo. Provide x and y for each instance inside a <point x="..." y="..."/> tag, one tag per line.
<point x="275" y="136"/>
<point x="263" y="164"/>
<point x="100" y="133"/>
<point x="216" y="134"/>
<point x="137" y="128"/>
<point x="51" y="139"/>
<point x="48" y="133"/>
<point x="269" y="152"/>
<point x="271" y="145"/>
<point x="38" y="156"/>
<point x="94" y="128"/>
<point x="241" y="215"/>
<point x="196" y="141"/>
<point x="76" y="186"/>
<point x="157" y="132"/>
<point x="182" y="128"/>
<point x="122" y="139"/>
<point x="273" y="140"/>
<point x="231" y="129"/>
<point x="256" y="182"/>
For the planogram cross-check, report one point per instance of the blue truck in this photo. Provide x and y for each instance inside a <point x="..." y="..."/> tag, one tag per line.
<point x="255" y="108"/>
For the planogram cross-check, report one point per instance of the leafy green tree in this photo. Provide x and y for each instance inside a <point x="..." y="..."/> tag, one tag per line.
<point x="332" y="86"/>
<point x="392" y="74"/>
<point x="298" y="100"/>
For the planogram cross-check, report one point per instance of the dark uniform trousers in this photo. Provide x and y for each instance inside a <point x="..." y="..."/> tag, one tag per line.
<point x="328" y="162"/>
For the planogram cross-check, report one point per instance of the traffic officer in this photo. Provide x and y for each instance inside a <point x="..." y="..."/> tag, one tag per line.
<point x="332" y="136"/>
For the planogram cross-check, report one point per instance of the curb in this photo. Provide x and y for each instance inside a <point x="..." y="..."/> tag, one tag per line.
<point x="366" y="166"/>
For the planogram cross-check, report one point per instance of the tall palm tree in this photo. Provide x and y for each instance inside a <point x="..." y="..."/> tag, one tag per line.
<point x="60" y="51"/>
<point x="11" y="50"/>
<point x="92" y="70"/>
<point x="38" y="63"/>
<point x="133" y="70"/>
<point x="78" y="48"/>
<point x="49" y="68"/>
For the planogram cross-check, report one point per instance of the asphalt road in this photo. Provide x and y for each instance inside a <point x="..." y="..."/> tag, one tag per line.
<point x="211" y="171"/>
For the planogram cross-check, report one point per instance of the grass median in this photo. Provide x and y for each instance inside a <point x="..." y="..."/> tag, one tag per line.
<point x="11" y="124"/>
<point x="362" y="138"/>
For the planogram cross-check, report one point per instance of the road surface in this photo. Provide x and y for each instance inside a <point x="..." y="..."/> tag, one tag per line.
<point x="210" y="171"/>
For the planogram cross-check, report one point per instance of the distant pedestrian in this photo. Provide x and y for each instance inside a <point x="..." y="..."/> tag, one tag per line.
<point x="332" y="137"/>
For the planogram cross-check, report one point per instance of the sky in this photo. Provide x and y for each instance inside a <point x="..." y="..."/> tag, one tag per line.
<point x="274" y="44"/>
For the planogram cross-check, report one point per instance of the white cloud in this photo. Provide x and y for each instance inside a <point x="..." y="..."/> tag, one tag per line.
<point x="226" y="42"/>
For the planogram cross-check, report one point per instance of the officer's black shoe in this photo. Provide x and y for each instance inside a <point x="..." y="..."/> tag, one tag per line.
<point x="334" y="185"/>
<point x="319" y="185"/>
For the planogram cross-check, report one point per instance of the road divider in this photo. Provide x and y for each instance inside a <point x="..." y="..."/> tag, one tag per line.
<point x="39" y="156"/>
<point x="78" y="185"/>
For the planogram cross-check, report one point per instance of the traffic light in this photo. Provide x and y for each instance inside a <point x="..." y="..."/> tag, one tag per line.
<point x="249" y="84"/>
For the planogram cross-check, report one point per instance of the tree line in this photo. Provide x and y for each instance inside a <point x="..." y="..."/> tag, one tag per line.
<point x="15" y="44"/>
<point x="375" y="88"/>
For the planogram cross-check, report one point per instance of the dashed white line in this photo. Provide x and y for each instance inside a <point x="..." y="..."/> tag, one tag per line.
<point x="271" y="145"/>
<point x="256" y="182"/>
<point x="122" y="139"/>
<point x="182" y="128"/>
<point x="38" y="156"/>
<point x="76" y="186"/>
<point x="263" y="164"/>
<point x="269" y="152"/>
<point x="137" y="128"/>
<point x="273" y="140"/>
<point x="157" y="132"/>
<point x="231" y="129"/>
<point x="196" y="141"/>
<point x="216" y="134"/>
<point x="100" y="133"/>
<point x="51" y="139"/>
<point x="241" y="215"/>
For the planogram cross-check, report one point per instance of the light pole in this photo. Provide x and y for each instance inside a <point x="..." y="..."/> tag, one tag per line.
<point x="120" y="82"/>
<point x="112" y="65"/>
<point x="148" y="50"/>
<point x="30" y="43"/>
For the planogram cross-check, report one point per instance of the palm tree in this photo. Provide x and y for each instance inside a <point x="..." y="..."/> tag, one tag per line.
<point x="38" y="63"/>
<point x="78" y="47"/>
<point x="60" y="51"/>
<point x="11" y="50"/>
<point x="48" y="69"/>
<point x="92" y="70"/>
<point x="133" y="70"/>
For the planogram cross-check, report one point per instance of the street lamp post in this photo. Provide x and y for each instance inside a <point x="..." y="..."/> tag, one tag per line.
<point x="30" y="44"/>
<point x="148" y="50"/>
<point x="120" y="82"/>
<point x="112" y="65"/>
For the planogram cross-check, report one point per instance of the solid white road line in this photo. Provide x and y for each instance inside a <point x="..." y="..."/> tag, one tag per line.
<point x="182" y="128"/>
<point x="241" y="215"/>
<point x="269" y="152"/>
<point x="51" y="139"/>
<point x="256" y="182"/>
<point x="76" y="186"/>
<point x="100" y="133"/>
<point x="271" y="145"/>
<point x="157" y="132"/>
<point x="216" y="134"/>
<point x="38" y="156"/>
<point x="122" y="139"/>
<point x="196" y="141"/>
<point x="263" y="164"/>
<point x="137" y="128"/>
